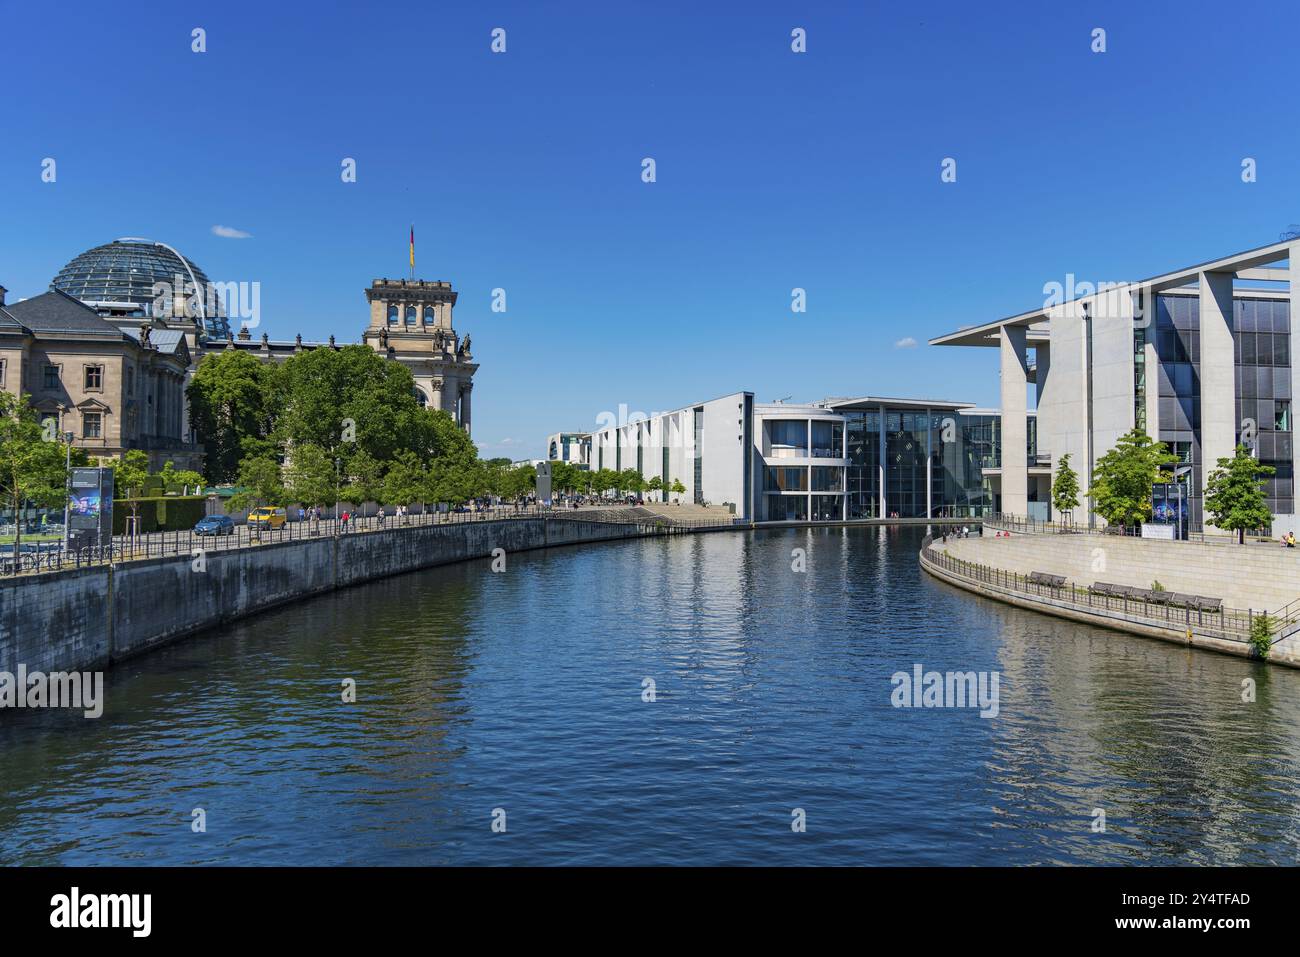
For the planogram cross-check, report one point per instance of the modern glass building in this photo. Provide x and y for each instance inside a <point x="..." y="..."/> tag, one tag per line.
<point x="1199" y="358"/>
<point x="121" y="279"/>
<point x="835" y="460"/>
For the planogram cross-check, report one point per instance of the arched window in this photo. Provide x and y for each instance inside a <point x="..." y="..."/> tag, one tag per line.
<point x="428" y="315"/>
<point x="420" y="397"/>
<point x="392" y="315"/>
<point x="410" y="315"/>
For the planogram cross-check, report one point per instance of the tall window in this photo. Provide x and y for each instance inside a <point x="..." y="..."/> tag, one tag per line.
<point x="95" y="378"/>
<point x="91" y="425"/>
<point x="392" y="315"/>
<point x="410" y="315"/>
<point x="428" y="315"/>
<point x="4" y="363"/>
<point x="51" y="377"/>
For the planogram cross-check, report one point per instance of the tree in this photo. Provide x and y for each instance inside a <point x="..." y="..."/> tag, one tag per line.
<point x="31" y="467"/>
<point x="1234" y="494"/>
<point x="405" y="481"/>
<point x="678" y="488"/>
<point x="1065" y="488"/>
<point x="129" y="475"/>
<point x="656" y="484"/>
<point x="309" y="476"/>
<point x="232" y="410"/>
<point x="1124" y="477"/>
<point x="362" y="478"/>
<point x="349" y="400"/>
<point x="172" y="477"/>
<point x="261" y="484"/>
<point x="602" y="481"/>
<point x="632" y="481"/>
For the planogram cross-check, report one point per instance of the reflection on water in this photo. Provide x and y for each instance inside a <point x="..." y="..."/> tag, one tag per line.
<point x="523" y="691"/>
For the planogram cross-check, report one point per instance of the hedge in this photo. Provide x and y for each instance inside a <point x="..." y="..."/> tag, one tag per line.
<point x="162" y="513"/>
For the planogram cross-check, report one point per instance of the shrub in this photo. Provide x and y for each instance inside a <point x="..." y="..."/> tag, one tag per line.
<point x="162" y="513"/>
<point x="1261" y="634"/>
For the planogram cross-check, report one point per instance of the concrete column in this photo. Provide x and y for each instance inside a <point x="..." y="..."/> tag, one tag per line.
<point x="465" y="391"/>
<point x="929" y="463"/>
<point x="1295" y="372"/>
<point x="1015" y="422"/>
<point x="1218" y="373"/>
<point x="436" y="387"/>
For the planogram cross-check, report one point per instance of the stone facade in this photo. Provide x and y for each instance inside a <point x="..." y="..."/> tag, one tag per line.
<point x="114" y="390"/>
<point x="410" y="322"/>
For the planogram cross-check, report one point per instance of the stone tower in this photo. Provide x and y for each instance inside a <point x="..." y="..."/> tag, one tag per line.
<point x="410" y="322"/>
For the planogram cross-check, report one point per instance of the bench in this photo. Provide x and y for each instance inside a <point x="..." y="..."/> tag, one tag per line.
<point x="1047" y="579"/>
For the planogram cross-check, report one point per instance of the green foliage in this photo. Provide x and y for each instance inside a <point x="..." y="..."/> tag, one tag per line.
<point x="173" y="478"/>
<point x="232" y="403"/>
<point x="1065" y="487"/>
<point x="630" y="481"/>
<point x="1261" y="634"/>
<point x="678" y="488"/>
<point x="309" y="476"/>
<point x="1234" y="494"/>
<point x="349" y="400"/>
<point x="261" y="484"/>
<point x="162" y="513"/>
<point x="129" y="473"/>
<point x="406" y="481"/>
<point x="1156" y="586"/>
<point x="1124" y="477"/>
<point x="31" y="468"/>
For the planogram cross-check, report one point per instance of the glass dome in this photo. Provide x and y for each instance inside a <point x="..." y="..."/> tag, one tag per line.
<point x="125" y="271"/>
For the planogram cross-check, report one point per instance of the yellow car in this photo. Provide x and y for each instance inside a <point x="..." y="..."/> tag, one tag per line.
<point x="267" y="517"/>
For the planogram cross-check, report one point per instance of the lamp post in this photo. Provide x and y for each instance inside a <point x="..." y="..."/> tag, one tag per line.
<point x="67" y="493"/>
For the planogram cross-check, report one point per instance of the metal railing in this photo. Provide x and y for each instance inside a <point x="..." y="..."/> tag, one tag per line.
<point x="1029" y="526"/>
<point x="1231" y="624"/>
<point x="186" y="542"/>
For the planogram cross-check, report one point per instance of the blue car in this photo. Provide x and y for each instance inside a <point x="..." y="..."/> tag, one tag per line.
<point x="215" y="525"/>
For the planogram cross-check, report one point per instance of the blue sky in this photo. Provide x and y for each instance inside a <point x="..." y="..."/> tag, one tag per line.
<point x="775" y="170"/>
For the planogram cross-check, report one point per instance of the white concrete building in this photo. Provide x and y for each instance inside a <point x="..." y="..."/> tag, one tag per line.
<point x="1200" y="358"/>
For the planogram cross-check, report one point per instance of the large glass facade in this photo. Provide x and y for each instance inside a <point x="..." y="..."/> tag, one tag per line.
<point x="126" y="271"/>
<point x="948" y="450"/>
<point x="862" y="446"/>
<point x="1262" y="355"/>
<point x="787" y="508"/>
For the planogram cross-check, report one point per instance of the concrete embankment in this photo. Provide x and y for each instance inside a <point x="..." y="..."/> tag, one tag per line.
<point x="1262" y="577"/>
<point x="84" y="619"/>
<point x="1255" y="578"/>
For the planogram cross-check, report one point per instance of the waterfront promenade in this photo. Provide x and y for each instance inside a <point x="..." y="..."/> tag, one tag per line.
<point x="1201" y="594"/>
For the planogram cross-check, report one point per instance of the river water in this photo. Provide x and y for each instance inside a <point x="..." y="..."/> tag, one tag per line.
<point x="519" y="698"/>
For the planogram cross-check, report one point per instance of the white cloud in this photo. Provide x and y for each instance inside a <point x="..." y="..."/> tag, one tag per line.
<point x="905" y="343"/>
<point x="230" y="232"/>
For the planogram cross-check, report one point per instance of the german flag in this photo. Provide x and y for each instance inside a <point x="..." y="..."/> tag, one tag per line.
<point x="412" y="245"/>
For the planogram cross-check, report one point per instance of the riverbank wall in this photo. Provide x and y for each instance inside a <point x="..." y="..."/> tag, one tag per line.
<point x="1262" y="577"/>
<point x="1250" y="578"/>
<point x="89" y="618"/>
